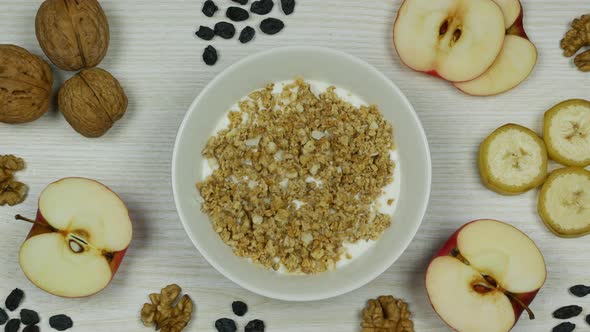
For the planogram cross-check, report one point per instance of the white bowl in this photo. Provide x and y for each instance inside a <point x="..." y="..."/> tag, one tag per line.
<point x="311" y="63"/>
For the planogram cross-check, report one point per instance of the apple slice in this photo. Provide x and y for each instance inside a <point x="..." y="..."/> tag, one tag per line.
<point x="484" y="277"/>
<point x="514" y="64"/>
<point x="457" y="40"/>
<point x="511" y="10"/>
<point x="79" y="238"/>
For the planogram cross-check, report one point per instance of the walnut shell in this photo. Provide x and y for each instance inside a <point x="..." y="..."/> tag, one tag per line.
<point x="74" y="34"/>
<point x="92" y="101"/>
<point x="25" y="85"/>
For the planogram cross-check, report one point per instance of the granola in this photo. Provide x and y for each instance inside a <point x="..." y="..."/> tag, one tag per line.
<point x="297" y="176"/>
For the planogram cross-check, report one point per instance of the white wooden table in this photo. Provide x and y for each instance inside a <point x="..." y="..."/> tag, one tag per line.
<point x="155" y="55"/>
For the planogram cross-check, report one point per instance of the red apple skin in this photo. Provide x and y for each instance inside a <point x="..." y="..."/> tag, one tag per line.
<point x="38" y="230"/>
<point x="517" y="27"/>
<point x="447" y="248"/>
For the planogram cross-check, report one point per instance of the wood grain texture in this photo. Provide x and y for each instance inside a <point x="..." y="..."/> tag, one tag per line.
<point x="157" y="59"/>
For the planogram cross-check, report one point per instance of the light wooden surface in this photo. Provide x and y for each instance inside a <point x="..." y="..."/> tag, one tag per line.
<point x="155" y="55"/>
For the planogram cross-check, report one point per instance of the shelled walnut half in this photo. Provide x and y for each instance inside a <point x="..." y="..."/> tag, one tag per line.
<point x="166" y="312"/>
<point x="575" y="39"/>
<point x="12" y="192"/>
<point x="387" y="314"/>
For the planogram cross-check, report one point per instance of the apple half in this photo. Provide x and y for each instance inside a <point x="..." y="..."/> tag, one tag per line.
<point x="457" y="40"/>
<point x="484" y="277"/>
<point x="78" y="239"/>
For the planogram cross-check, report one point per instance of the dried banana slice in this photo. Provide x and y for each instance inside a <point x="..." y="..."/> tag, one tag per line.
<point x="564" y="203"/>
<point x="513" y="160"/>
<point x="567" y="132"/>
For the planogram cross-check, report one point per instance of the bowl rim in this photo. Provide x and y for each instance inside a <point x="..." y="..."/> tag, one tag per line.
<point x="321" y="295"/>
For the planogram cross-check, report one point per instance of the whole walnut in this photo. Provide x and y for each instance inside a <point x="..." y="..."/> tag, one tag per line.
<point x="92" y="101"/>
<point x="74" y="34"/>
<point x="25" y="85"/>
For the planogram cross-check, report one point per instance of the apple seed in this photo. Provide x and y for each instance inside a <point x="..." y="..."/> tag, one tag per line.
<point x="76" y="247"/>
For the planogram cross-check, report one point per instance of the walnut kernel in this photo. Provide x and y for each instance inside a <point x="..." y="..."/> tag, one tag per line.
<point x="165" y="313"/>
<point x="576" y="38"/>
<point x="11" y="192"/>
<point x="387" y="314"/>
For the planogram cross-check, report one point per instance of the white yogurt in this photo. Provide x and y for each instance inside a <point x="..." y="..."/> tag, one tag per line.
<point x="391" y="191"/>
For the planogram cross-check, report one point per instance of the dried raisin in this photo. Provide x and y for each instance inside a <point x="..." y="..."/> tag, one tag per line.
<point x="580" y="290"/>
<point x="271" y="26"/>
<point x="29" y="317"/>
<point x="567" y="312"/>
<point x="247" y="34"/>
<point x="288" y="6"/>
<point x="61" y="322"/>
<point x="564" y="327"/>
<point x="225" y="325"/>
<point x="14" y="299"/>
<point x="31" y="328"/>
<point x="262" y="7"/>
<point x="239" y="308"/>
<point x="241" y="2"/>
<point x="3" y="317"/>
<point x="588" y="319"/>
<point x="210" y="8"/>
<point x="237" y="14"/>
<point x="255" y="326"/>
<point x="225" y="30"/>
<point x="205" y="33"/>
<point x="210" y="55"/>
<point x="13" y="325"/>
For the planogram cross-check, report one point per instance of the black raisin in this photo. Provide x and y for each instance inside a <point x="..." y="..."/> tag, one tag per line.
<point x="567" y="312"/>
<point x="271" y="26"/>
<point x="239" y="308"/>
<point x="3" y="317"/>
<point x="29" y="317"/>
<point x="61" y="322"/>
<point x="205" y="33"/>
<point x="31" y="328"/>
<point x="241" y="2"/>
<point x="262" y="7"/>
<point x="225" y="30"/>
<point x="255" y="326"/>
<point x="247" y="34"/>
<point x="225" y="325"/>
<point x="588" y="319"/>
<point x="564" y="327"/>
<point x="210" y="8"/>
<point x="13" y="325"/>
<point x="210" y="55"/>
<point x="237" y="14"/>
<point x="580" y="290"/>
<point x="14" y="299"/>
<point x="288" y="6"/>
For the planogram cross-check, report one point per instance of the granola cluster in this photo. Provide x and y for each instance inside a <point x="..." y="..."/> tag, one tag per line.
<point x="296" y="176"/>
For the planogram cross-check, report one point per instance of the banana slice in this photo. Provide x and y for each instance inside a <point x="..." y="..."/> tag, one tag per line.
<point x="513" y="160"/>
<point x="567" y="132"/>
<point x="564" y="203"/>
